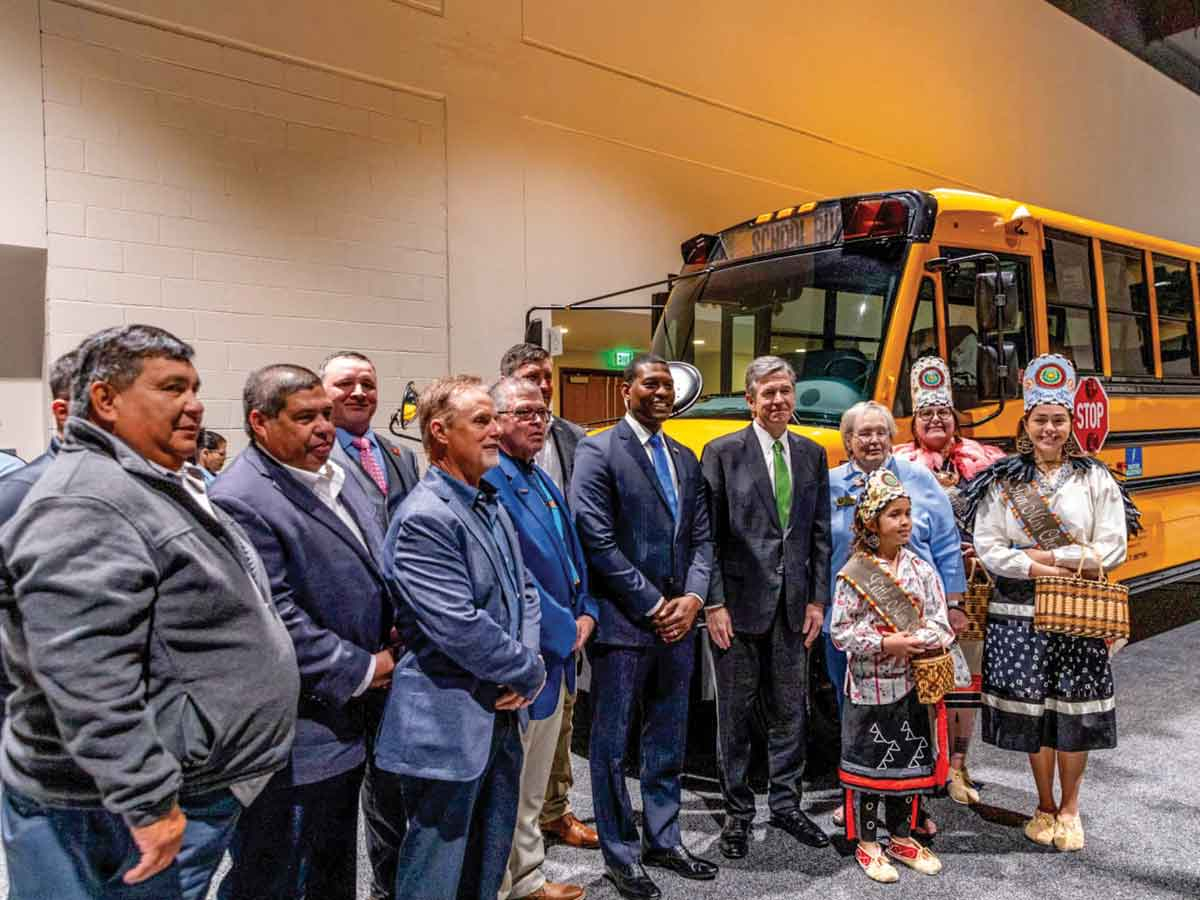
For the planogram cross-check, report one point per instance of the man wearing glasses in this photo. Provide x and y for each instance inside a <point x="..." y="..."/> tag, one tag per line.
<point x="554" y="557"/>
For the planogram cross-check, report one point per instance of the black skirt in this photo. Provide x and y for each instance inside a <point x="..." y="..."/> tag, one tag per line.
<point x="887" y="749"/>
<point x="1042" y="689"/>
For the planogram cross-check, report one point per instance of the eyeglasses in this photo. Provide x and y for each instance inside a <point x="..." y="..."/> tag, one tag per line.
<point x="867" y="435"/>
<point x="526" y="415"/>
<point x="934" y="412"/>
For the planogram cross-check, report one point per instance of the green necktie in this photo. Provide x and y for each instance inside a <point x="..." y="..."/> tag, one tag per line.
<point x="783" y="486"/>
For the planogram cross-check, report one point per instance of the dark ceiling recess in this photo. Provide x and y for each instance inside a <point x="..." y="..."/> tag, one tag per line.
<point x="1164" y="33"/>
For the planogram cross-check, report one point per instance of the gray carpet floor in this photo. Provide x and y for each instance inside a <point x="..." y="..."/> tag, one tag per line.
<point x="1141" y="808"/>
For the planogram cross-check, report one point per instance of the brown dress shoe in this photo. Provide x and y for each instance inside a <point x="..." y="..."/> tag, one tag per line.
<point x="552" y="890"/>
<point x="572" y="832"/>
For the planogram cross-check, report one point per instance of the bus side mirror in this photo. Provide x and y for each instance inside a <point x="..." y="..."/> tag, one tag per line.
<point x="997" y="300"/>
<point x="403" y="417"/>
<point x="688" y="385"/>
<point x="987" y="370"/>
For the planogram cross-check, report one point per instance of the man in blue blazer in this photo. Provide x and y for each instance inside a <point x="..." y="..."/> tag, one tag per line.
<point x="555" y="559"/>
<point x="320" y="543"/>
<point x="640" y="505"/>
<point x="469" y="615"/>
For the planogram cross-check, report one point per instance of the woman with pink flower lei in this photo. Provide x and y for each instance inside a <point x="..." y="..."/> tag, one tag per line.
<point x="954" y="460"/>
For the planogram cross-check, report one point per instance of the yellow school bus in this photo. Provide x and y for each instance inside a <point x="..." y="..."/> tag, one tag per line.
<point x="852" y="291"/>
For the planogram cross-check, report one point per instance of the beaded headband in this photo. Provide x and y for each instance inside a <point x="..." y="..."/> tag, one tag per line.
<point x="1049" y="379"/>
<point x="930" y="383"/>
<point x="882" y="488"/>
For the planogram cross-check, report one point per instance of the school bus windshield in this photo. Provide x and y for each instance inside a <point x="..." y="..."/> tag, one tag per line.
<point x="824" y="311"/>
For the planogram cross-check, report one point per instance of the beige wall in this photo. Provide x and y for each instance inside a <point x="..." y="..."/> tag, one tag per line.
<point x="469" y="159"/>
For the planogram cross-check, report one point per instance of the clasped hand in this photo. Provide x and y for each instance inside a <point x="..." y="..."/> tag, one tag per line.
<point x="902" y="645"/>
<point x="675" y="618"/>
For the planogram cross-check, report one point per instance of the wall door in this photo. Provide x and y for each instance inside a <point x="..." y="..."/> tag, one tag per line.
<point x="590" y="396"/>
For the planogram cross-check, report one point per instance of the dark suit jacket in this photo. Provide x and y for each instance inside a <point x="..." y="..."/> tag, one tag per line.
<point x="635" y="552"/>
<point x="466" y="634"/>
<point x="400" y="467"/>
<point x="331" y="594"/>
<point x="546" y="558"/>
<point x="754" y="560"/>
<point x="567" y="436"/>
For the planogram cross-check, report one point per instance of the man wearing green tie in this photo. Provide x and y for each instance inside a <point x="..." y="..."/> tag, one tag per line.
<point x="769" y="491"/>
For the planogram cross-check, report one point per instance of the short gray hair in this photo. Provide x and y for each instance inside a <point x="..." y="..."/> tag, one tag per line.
<point x="506" y="390"/>
<point x="851" y="416"/>
<point x="115" y="356"/>
<point x="343" y="354"/>
<point x="767" y="365"/>
<point x="268" y="389"/>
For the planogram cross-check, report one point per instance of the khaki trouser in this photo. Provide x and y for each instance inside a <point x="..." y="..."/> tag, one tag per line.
<point x="540" y="740"/>
<point x="562" y="779"/>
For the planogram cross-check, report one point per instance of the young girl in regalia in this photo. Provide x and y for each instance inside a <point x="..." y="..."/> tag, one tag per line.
<point x="889" y="606"/>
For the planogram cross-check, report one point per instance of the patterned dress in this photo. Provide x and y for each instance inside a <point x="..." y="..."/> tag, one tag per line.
<point x="1045" y="689"/>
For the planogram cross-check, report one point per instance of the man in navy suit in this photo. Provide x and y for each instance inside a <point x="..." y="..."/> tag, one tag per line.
<point x="469" y="615"/>
<point x="555" y="559"/>
<point x="319" y="540"/>
<point x="769" y="492"/>
<point x="641" y="509"/>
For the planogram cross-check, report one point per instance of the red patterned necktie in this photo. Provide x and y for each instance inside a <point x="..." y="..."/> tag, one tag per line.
<point x="367" y="459"/>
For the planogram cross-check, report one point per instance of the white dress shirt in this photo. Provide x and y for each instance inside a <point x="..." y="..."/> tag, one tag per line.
<point x="547" y="458"/>
<point x="643" y="435"/>
<point x="326" y="484"/>
<point x="767" y="443"/>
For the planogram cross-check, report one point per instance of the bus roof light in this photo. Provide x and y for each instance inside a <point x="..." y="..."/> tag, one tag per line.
<point x="886" y="217"/>
<point x="698" y="249"/>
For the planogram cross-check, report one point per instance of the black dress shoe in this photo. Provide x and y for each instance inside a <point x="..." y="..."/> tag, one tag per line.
<point x="632" y="882"/>
<point x="801" y="827"/>
<point x="735" y="838"/>
<point x="681" y="862"/>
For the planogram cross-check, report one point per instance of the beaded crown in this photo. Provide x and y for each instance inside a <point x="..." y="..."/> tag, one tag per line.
<point x="1049" y="379"/>
<point x="930" y="383"/>
<point x="882" y="488"/>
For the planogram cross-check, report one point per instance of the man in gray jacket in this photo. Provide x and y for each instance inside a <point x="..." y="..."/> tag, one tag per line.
<point x="155" y="685"/>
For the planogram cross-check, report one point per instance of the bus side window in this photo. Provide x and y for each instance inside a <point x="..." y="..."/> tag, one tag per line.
<point x="1071" y="299"/>
<point x="1131" y="344"/>
<point x="966" y="340"/>
<point x="1176" y="316"/>
<point x="922" y="341"/>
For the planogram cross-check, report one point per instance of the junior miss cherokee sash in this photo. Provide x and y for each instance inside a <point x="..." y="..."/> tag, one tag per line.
<point x="876" y="585"/>
<point x="1034" y="514"/>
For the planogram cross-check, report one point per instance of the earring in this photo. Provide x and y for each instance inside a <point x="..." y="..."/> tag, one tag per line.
<point x="1072" y="447"/>
<point x="1024" y="443"/>
<point x="872" y="540"/>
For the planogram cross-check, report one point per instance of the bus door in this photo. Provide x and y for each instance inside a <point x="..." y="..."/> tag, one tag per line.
<point x="971" y="350"/>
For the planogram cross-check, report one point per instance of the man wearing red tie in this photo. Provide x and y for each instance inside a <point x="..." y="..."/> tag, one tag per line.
<point x="386" y="473"/>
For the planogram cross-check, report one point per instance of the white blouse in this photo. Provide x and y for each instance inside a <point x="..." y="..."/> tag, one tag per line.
<point x="872" y="678"/>
<point x="1088" y="505"/>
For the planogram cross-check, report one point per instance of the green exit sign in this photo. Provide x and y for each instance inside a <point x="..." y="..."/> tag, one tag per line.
<point x="622" y="358"/>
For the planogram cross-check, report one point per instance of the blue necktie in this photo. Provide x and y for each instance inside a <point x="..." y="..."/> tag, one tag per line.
<point x="556" y="514"/>
<point x="663" y="469"/>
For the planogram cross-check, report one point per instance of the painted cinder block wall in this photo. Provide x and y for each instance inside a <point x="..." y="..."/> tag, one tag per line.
<point x="272" y="181"/>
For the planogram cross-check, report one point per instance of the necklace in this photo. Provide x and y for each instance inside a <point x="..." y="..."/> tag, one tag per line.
<point x="1051" y="478"/>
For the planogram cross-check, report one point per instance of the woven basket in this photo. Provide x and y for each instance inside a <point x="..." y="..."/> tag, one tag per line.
<point x="975" y="603"/>
<point x="933" y="671"/>
<point x="1081" y="607"/>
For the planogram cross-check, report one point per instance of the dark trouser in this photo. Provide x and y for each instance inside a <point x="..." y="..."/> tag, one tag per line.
<point x="770" y="668"/>
<point x="835" y="666"/>
<point x="384" y="818"/>
<point x="460" y="832"/>
<point x="896" y="811"/>
<point x="659" y="678"/>
<point x="81" y="854"/>
<point x="296" y="842"/>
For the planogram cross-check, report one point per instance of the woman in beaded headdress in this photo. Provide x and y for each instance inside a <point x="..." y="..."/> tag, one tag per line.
<point x="1046" y="694"/>
<point x="888" y="607"/>
<point x="954" y="460"/>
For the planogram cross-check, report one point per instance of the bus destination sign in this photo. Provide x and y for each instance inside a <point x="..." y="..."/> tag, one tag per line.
<point x="787" y="229"/>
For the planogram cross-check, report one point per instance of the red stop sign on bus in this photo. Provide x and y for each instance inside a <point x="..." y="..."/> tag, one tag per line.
<point x="1091" y="414"/>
